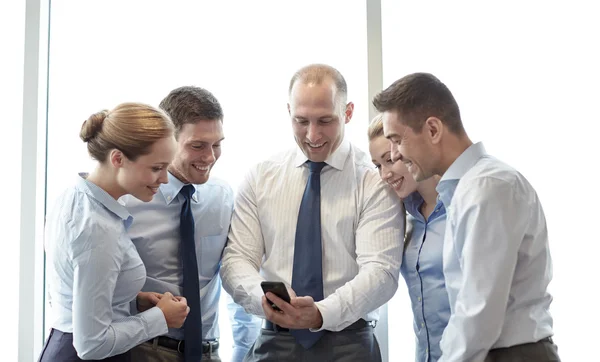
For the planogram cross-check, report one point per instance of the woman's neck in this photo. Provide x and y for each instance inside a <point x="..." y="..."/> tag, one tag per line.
<point x="104" y="178"/>
<point x="429" y="194"/>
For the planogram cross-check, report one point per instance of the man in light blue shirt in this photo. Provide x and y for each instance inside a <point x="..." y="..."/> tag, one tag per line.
<point x="497" y="263"/>
<point x="159" y="233"/>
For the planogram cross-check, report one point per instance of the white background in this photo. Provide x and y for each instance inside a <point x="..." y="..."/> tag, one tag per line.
<point x="526" y="76"/>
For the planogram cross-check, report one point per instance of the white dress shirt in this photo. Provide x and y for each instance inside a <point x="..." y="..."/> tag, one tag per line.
<point x="362" y="229"/>
<point x="94" y="273"/>
<point x="496" y="258"/>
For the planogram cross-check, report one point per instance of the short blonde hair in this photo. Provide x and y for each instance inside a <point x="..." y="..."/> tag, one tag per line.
<point x="376" y="127"/>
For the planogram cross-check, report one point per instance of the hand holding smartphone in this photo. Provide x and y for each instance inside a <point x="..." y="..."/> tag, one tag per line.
<point x="277" y="288"/>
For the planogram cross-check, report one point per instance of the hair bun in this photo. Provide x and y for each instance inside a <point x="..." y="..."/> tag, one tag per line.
<point x="92" y="125"/>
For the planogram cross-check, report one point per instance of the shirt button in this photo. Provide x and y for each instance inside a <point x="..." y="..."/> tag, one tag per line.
<point x="422" y="324"/>
<point x="169" y="198"/>
<point x="419" y="299"/>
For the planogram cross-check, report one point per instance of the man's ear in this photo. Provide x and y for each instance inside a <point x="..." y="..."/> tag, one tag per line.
<point x="435" y="129"/>
<point x="349" y="112"/>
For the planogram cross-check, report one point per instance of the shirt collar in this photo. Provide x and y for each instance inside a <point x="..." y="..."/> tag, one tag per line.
<point x="464" y="162"/>
<point x="336" y="160"/>
<point x="445" y="189"/>
<point x="171" y="189"/>
<point x="104" y="198"/>
<point x="412" y="203"/>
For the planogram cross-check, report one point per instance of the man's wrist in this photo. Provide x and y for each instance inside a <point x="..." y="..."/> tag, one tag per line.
<point x="319" y="322"/>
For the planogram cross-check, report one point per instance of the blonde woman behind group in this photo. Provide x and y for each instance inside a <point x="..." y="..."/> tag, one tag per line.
<point x="422" y="260"/>
<point x="94" y="268"/>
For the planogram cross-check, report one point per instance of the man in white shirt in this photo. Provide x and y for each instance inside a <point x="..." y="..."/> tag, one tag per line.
<point x="497" y="261"/>
<point x="319" y="219"/>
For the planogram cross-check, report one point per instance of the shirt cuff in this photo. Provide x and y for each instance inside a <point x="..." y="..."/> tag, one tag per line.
<point x="155" y="322"/>
<point x="133" y="307"/>
<point x="256" y="301"/>
<point x="329" y="313"/>
<point x="256" y="306"/>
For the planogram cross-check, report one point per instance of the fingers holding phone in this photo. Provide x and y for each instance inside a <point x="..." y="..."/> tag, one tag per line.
<point x="289" y="312"/>
<point x="280" y="291"/>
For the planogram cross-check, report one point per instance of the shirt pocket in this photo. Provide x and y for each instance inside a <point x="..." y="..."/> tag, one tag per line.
<point x="211" y="250"/>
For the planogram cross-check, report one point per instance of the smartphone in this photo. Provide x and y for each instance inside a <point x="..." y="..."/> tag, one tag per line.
<point x="277" y="288"/>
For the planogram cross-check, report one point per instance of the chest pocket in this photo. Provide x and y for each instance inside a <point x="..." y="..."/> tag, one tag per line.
<point x="210" y="252"/>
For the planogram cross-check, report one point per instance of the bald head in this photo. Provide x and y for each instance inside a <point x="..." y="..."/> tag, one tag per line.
<point x="318" y="74"/>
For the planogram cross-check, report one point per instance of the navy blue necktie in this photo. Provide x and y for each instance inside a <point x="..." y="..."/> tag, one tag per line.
<point x="192" y="327"/>
<point x="307" y="277"/>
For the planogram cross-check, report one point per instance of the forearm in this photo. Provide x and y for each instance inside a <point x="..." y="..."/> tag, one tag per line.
<point x="118" y="337"/>
<point x="372" y="287"/>
<point x="241" y="280"/>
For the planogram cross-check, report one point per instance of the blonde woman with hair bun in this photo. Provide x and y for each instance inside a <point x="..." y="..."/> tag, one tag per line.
<point x="422" y="260"/>
<point x="94" y="270"/>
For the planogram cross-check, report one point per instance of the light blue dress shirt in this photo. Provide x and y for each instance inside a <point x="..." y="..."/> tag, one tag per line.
<point x="422" y="270"/>
<point x="94" y="273"/>
<point x="155" y="233"/>
<point x="496" y="258"/>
